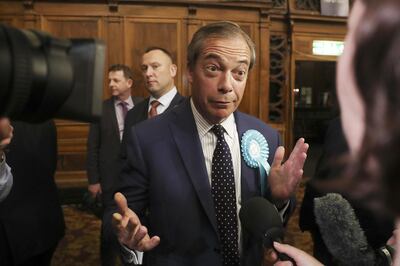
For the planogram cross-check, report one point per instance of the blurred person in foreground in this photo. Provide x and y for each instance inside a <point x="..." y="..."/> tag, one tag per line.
<point x="31" y="218"/>
<point x="369" y="96"/>
<point x="186" y="175"/>
<point x="330" y="167"/>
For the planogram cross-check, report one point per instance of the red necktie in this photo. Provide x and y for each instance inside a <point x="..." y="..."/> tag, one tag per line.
<point x="153" y="109"/>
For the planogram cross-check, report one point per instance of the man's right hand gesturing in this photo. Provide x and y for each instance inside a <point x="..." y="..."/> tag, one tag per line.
<point x="129" y="230"/>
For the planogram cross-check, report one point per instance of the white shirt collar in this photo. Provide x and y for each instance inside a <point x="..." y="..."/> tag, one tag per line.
<point x="166" y="99"/>
<point x="203" y="127"/>
<point x="129" y="101"/>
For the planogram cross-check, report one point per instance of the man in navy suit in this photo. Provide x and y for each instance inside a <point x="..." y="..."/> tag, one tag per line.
<point x="104" y="141"/>
<point x="167" y="183"/>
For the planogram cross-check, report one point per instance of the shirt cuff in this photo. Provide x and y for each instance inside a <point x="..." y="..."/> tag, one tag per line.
<point x="282" y="211"/>
<point x="131" y="256"/>
<point x="6" y="178"/>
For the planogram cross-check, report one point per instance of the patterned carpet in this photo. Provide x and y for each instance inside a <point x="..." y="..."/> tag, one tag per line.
<point x="294" y="236"/>
<point x="80" y="246"/>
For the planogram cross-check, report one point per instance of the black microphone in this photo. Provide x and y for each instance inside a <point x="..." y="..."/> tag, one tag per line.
<point x="385" y="255"/>
<point x="341" y="231"/>
<point x="261" y="219"/>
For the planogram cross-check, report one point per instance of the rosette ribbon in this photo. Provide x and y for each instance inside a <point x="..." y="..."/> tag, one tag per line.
<point x="255" y="153"/>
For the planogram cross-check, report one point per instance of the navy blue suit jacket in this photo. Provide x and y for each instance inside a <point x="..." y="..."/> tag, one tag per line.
<point x="165" y="182"/>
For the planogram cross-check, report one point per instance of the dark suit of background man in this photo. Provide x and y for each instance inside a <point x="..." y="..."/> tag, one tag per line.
<point x="158" y="72"/>
<point x="103" y="165"/>
<point x="31" y="219"/>
<point x="167" y="177"/>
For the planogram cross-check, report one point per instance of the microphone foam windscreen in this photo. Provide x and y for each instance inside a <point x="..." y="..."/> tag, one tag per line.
<point x="258" y="215"/>
<point x="341" y="231"/>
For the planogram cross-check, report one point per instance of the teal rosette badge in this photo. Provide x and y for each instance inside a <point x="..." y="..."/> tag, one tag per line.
<point x="255" y="153"/>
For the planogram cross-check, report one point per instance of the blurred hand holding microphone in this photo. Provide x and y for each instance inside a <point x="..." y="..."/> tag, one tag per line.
<point x="339" y="226"/>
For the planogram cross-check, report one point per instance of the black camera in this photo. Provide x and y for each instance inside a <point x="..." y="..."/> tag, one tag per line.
<point x="42" y="77"/>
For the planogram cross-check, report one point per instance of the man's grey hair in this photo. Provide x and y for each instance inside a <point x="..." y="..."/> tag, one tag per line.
<point x="217" y="30"/>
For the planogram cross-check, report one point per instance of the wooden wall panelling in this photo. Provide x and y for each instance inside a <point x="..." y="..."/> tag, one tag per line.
<point x="279" y="90"/>
<point x="73" y="26"/>
<point x="114" y="34"/>
<point x="264" y="65"/>
<point x="143" y="33"/>
<point x="192" y="25"/>
<point x="233" y="14"/>
<point x="252" y="94"/>
<point x="127" y="30"/>
<point x="9" y="20"/>
<point x="71" y="168"/>
<point x="11" y="13"/>
<point x="72" y="136"/>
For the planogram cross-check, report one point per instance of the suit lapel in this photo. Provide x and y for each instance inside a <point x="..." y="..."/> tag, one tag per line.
<point x="175" y="101"/>
<point x="111" y="111"/>
<point x="249" y="176"/>
<point x="136" y="100"/>
<point x="144" y="112"/>
<point x="186" y="138"/>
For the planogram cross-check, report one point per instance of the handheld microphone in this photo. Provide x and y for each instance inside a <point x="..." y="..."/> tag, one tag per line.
<point x="262" y="220"/>
<point x="341" y="231"/>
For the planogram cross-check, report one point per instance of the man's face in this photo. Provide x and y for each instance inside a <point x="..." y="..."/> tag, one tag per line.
<point x="219" y="77"/>
<point x="119" y="85"/>
<point x="158" y="72"/>
<point x="351" y="105"/>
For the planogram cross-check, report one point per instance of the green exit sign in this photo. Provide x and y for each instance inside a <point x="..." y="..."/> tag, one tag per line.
<point x="332" y="48"/>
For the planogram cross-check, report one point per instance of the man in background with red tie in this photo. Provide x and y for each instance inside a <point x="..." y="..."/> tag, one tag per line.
<point x="158" y="72"/>
<point x="103" y="148"/>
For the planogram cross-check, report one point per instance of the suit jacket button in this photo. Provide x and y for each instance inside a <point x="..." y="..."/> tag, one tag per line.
<point x="217" y="250"/>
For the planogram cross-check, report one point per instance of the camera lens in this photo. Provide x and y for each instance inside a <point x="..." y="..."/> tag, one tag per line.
<point x="36" y="74"/>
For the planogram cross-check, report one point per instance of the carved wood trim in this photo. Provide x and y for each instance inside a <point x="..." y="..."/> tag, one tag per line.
<point x="113" y="5"/>
<point x="264" y="61"/>
<point x="28" y="5"/>
<point x="278" y="77"/>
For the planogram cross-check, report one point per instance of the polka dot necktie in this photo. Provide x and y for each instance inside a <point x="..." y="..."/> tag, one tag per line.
<point x="153" y="109"/>
<point x="224" y="195"/>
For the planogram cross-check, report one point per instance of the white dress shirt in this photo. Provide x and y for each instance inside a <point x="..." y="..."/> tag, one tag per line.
<point x="164" y="100"/>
